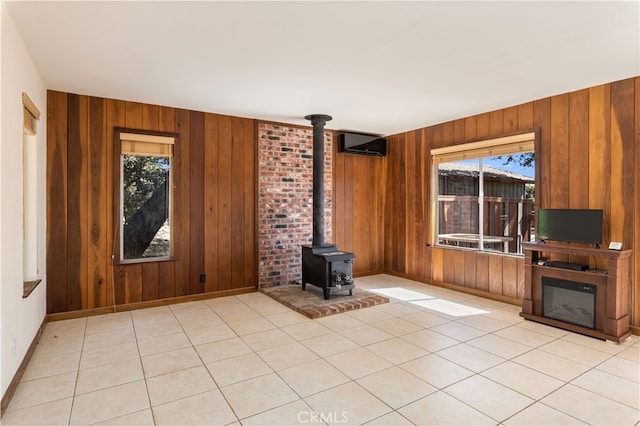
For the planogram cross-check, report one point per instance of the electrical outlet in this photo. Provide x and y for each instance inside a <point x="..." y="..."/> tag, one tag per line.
<point x="14" y="345"/>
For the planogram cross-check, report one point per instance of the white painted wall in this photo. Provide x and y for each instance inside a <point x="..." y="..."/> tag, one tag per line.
<point x="19" y="318"/>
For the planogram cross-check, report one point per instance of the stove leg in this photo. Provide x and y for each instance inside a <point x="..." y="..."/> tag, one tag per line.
<point x="327" y="292"/>
<point x="304" y="285"/>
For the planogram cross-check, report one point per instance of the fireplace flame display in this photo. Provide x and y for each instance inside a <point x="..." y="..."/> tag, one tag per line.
<point x="323" y="265"/>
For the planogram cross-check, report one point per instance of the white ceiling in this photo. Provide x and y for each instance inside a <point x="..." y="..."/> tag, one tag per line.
<point x="378" y="67"/>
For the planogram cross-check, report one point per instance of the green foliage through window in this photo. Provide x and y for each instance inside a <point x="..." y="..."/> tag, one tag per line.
<point x="145" y="206"/>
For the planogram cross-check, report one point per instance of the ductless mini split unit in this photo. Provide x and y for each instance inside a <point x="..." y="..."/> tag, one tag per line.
<point x="363" y="144"/>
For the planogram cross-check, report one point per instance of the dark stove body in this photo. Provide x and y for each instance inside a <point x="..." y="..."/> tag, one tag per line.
<point x="327" y="267"/>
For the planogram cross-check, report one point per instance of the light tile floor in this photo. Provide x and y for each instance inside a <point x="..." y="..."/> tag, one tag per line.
<point x="430" y="356"/>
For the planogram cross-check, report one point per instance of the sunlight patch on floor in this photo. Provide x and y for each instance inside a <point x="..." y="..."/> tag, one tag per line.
<point x="450" y="308"/>
<point x="401" y="293"/>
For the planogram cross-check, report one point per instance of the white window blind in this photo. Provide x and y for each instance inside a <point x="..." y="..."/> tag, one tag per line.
<point x="30" y="113"/>
<point x="153" y="146"/>
<point x="524" y="142"/>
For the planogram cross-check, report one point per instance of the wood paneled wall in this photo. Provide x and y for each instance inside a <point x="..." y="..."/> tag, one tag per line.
<point x="214" y="205"/>
<point x="359" y="196"/>
<point x="588" y="158"/>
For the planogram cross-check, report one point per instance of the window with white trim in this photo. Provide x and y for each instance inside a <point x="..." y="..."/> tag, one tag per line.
<point x="145" y="197"/>
<point x="31" y="274"/>
<point x="485" y="194"/>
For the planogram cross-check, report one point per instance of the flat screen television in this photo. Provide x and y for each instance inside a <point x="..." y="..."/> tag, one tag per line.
<point x="570" y="225"/>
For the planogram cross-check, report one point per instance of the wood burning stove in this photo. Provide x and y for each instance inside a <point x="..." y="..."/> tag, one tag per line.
<point x="328" y="268"/>
<point x="323" y="265"/>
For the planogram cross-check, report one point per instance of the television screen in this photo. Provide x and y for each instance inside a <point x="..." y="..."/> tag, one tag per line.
<point x="570" y="225"/>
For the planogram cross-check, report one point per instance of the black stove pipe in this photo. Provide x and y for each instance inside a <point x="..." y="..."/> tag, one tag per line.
<point x="318" y="121"/>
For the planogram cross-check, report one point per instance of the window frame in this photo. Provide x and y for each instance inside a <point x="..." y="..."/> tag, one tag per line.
<point x="476" y="149"/>
<point x="144" y="136"/>
<point x="30" y="223"/>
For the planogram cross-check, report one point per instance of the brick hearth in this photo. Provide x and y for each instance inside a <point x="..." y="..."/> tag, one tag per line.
<point x="312" y="304"/>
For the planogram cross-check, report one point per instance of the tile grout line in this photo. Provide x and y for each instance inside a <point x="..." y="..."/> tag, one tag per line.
<point x="75" y="385"/>
<point x="144" y="376"/>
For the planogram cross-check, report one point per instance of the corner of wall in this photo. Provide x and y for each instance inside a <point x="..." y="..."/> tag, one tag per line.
<point x="20" y="318"/>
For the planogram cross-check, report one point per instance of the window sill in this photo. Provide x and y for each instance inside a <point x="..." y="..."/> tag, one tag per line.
<point x="28" y="287"/>
<point x="144" y="260"/>
<point x="476" y="250"/>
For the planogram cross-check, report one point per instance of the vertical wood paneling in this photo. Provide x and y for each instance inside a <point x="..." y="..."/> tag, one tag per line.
<point x="181" y="202"/>
<point x="587" y="158"/>
<point x="598" y="128"/>
<point x="448" y="132"/>
<point x="390" y="202"/>
<point x="81" y="179"/>
<point x="437" y="264"/>
<point x="520" y="284"/>
<point x="359" y="223"/>
<point x="119" y="285"/>
<point x="509" y="277"/>
<point x="149" y="277"/>
<point x="599" y="141"/>
<point x="622" y="154"/>
<point x="495" y="274"/>
<point x="211" y="188"/>
<point x="458" y="129"/>
<point x="224" y="202"/>
<point x="510" y="120"/>
<point x="359" y="203"/>
<point x="438" y="135"/>
<point x="525" y="116"/>
<point x="97" y="283"/>
<point x="542" y="120"/>
<point x="482" y="271"/>
<point x="410" y="188"/>
<point x="150" y="117"/>
<point x="339" y="199"/>
<point x="600" y="154"/>
<point x="249" y="194"/>
<point x="496" y="123"/>
<point x="578" y="185"/>
<point x="83" y="201"/>
<point x="348" y="210"/>
<point x="133" y="283"/>
<point x="237" y="202"/>
<point x="56" y="202"/>
<point x="401" y="233"/>
<point x="456" y="263"/>
<point x="470" y="270"/>
<point x="448" y="266"/>
<point x="196" y="201"/>
<point x="483" y="124"/>
<point x="559" y="155"/>
<point x="420" y="206"/>
<point x="76" y="247"/>
<point x="470" y="127"/>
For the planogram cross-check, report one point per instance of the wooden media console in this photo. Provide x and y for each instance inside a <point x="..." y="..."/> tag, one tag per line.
<point x="611" y="288"/>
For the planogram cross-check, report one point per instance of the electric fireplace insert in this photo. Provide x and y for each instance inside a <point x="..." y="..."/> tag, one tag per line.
<point x="569" y="301"/>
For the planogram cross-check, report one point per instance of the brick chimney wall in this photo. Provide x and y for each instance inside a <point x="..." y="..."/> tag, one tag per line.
<point x="285" y="200"/>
